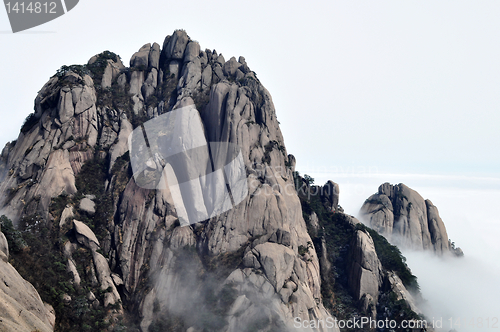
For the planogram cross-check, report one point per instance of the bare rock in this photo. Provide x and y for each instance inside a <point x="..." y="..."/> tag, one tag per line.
<point x="141" y="58"/>
<point x="66" y="107"/>
<point x="191" y="76"/>
<point x="58" y="177"/>
<point x="154" y="57"/>
<point x="111" y="71"/>
<point x="173" y="68"/>
<point x="117" y="280"/>
<point x="401" y="214"/>
<point x="206" y="77"/>
<point x="105" y="279"/>
<point x="78" y="158"/>
<point x="230" y="67"/>
<point x="439" y="236"/>
<point x="365" y="277"/>
<point x="85" y="236"/>
<point x="192" y="51"/>
<point x="4" y="248"/>
<point x="121" y="147"/>
<point x="87" y="205"/>
<point x="378" y="208"/>
<point x="276" y="261"/>
<point x="149" y="86"/>
<point x="174" y="49"/>
<point x="182" y="237"/>
<point x="331" y="191"/>
<point x="314" y="222"/>
<point x="67" y="299"/>
<point x="73" y="270"/>
<point x="401" y="292"/>
<point x="21" y="308"/>
<point x="136" y="82"/>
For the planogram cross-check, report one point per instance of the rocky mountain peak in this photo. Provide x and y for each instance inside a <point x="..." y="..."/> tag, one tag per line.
<point x="107" y="252"/>
<point x="404" y="217"/>
<point x="69" y="176"/>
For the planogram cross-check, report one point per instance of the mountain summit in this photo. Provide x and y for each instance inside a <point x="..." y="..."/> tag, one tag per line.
<point x="110" y="253"/>
<point x="69" y="174"/>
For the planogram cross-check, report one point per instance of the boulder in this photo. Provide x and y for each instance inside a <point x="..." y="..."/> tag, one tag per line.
<point x="176" y="45"/>
<point x="140" y="59"/>
<point x="154" y="57"/>
<point x="331" y="191"/>
<point x="87" y="205"/>
<point x="85" y="236"/>
<point x="192" y="51"/>
<point x="230" y="67"/>
<point x="66" y="214"/>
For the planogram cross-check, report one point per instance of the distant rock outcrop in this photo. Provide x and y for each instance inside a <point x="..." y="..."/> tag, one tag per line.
<point x="406" y="219"/>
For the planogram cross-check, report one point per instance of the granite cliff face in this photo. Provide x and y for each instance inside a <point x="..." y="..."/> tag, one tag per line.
<point x="405" y="218"/>
<point x="127" y="260"/>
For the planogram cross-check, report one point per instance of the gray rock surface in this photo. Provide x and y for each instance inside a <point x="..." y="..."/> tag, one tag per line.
<point x="4" y="248"/>
<point x="405" y="218"/>
<point x="154" y="56"/>
<point x="331" y="191"/>
<point x="141" y="58"/>
<point x="176" y="45"/>
<point x="87" y="205"/>
<point x="85" y="235"/>
<point x="21" y="308"/>
<point x="67" y="213"/>
<point x="112" y="70"/>
<point x="401" y="292"/>
<point x="365" y="272"/>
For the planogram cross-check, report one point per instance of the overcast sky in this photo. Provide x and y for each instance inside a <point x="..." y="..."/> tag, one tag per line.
<point x="359" y="86"/>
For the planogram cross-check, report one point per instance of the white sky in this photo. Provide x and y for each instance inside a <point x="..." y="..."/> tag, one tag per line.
<point x="366" y="91"/>
<point x="397" y="86"/>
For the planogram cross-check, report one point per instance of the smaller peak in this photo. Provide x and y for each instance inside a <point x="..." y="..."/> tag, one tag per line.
<point x="175" y="45"/>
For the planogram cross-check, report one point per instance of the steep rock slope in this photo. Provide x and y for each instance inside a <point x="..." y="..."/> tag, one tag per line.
<point x="405" y="218"/>
<point x="362" y="273"/>
<point x="128" y="260"/>
<point x="21" y="308"/>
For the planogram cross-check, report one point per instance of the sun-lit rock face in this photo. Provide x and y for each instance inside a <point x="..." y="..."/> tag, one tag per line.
<point x="238" y="269"/>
